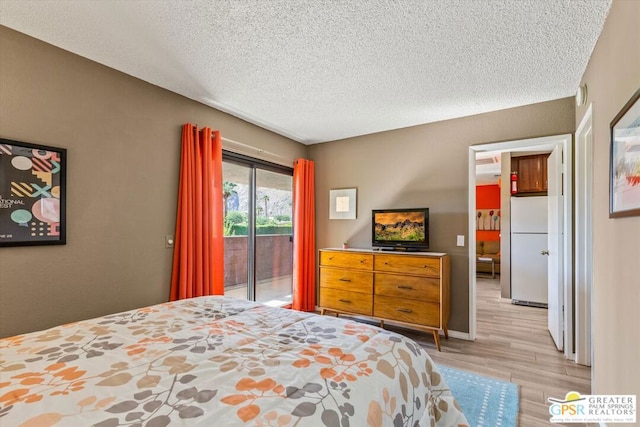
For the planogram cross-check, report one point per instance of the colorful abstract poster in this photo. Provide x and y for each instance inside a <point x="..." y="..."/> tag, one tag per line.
<point x="32" y="194"/>
<point x="487" y="219"/>
<point x="625" y="160"/>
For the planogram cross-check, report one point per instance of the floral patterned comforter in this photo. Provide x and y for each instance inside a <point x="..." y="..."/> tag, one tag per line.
<point x="220" y="361"/>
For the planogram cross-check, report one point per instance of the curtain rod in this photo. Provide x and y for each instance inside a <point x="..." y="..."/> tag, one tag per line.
<point x="259" y="150"/>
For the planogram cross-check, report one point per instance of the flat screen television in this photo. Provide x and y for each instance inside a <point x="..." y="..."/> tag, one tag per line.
<point x="400" y="229"/>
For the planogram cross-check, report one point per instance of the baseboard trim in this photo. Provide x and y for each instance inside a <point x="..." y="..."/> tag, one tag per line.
<point x="460" y="335"/>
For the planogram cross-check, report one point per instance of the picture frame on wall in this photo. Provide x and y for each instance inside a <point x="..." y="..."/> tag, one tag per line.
<point x="624" y="179"/>
<point x="342" y="203"/>
<point x="33" y="190"/>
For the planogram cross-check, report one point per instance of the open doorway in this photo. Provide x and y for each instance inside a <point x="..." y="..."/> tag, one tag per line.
<point x="488" y="215"/>
<point x="505" y="150"/>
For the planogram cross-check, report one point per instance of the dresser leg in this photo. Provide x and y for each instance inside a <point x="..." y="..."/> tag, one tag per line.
<point x="382" y="324"/>
<point x="436" y="338"/>
<point x="446" y="333"/>
<point x="323" y="311"/>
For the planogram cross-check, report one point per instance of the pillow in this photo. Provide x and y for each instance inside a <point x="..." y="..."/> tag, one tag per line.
<point x="491" y="247"/>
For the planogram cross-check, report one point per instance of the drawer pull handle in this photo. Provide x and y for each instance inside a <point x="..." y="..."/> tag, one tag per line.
<point x="405" y="310"/>
<point x="362" y="260"/>
<point x="330" y="258"/>
<point x="405" y="287"/>
<point x="344" y="279"/>
<point x="345" y="301"/>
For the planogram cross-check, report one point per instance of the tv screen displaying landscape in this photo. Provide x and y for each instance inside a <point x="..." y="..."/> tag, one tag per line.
<point x="399" y="226"/>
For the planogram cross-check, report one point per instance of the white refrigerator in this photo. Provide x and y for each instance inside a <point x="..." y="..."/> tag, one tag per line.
<point x="529" y="247"/>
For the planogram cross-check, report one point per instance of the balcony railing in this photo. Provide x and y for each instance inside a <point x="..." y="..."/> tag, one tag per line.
<point x="274" y="266"/>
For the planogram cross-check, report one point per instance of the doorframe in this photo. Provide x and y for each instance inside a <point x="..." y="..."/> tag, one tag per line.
<point x="584" y="238"/>
<point x="547" y="142"/>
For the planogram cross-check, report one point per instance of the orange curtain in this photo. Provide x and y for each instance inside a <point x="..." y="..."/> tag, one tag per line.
<point x="304" y="237"/>
<point x="198" y="254"/>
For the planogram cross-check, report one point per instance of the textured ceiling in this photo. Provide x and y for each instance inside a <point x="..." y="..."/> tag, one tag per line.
<point x="321" y="70"/>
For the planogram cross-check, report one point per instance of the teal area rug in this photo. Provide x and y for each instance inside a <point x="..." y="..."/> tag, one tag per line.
<point x="485" y="401"/>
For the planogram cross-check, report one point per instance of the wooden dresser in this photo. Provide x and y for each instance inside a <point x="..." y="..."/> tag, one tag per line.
<point x="409" y="288"/>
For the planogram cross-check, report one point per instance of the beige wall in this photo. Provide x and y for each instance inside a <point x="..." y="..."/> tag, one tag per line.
<point x="423" y="166"/>
<point x="123" y="141"/>
<point x="612" y="76"/>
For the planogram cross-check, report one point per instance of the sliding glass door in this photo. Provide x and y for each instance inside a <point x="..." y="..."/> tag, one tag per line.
<point x="274" y="238"/>
<point x="235" y="192"/>
<point x="258" y="213"/>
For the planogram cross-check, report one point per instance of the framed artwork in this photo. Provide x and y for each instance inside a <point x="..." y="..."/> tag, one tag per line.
<point x="488" y="219"/>
<point x="624" y="179"/>
<point x="32" y="194"/>
<point x="342" y="203"/>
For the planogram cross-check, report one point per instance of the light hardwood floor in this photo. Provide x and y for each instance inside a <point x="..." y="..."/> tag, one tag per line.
<point x="512" y="344"/>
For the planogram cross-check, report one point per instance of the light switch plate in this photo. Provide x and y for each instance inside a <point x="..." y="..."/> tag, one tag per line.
<point x="460" y="240"/>
<point x="169" y="241"/>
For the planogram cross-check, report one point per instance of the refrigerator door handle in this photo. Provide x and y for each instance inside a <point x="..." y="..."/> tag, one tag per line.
<point x="544" y="253"/>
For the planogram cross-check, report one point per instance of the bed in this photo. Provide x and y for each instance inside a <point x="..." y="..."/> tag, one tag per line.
<point x="220" y="361"/>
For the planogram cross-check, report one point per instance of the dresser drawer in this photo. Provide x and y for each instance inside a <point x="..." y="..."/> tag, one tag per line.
<point x="353" y="260"/>
<point x="407" y="264"/>
<point x="348" y="280"/>
<point x="351" y="302"/>
<point x="406" y="310"/>
<point x="411" y="287"/>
